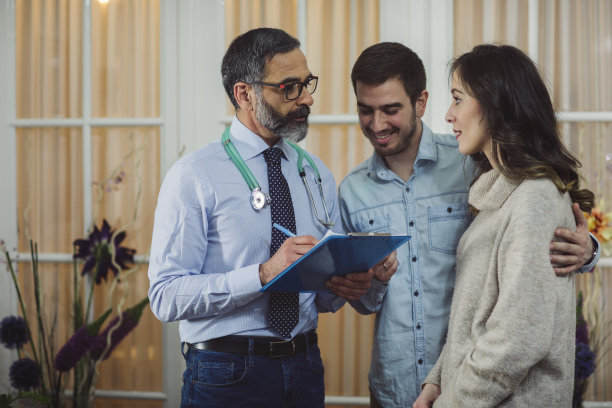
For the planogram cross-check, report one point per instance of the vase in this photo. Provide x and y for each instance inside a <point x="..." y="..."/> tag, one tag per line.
<point x="28" y="403"/>
<point x="579" y="391"/>
<point x="83" y="400"/>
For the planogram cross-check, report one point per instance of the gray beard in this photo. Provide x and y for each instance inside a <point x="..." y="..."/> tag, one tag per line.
<point x="282" y="126"/>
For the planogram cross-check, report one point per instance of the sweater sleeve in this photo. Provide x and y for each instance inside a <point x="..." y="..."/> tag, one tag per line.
<point x="435" y="374"/>
<point x="519" y="330"/>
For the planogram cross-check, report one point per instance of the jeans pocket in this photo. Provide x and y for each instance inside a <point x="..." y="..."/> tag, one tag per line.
<point x="219" y="369"/>
<point x="314" y="360"/>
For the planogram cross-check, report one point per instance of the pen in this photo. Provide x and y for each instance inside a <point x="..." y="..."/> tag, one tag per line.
<point x="283" y="230"/>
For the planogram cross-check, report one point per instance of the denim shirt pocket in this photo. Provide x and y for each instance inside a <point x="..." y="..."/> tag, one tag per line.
<point x="370" y="220"/>
<point x="446" y="224"/>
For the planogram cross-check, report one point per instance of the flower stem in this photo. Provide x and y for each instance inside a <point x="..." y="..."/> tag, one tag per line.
<point x="77" y="304"/>
<point x="91" y="291"/>
<point x="25" y="316"/>
<point x="41" y="328"/>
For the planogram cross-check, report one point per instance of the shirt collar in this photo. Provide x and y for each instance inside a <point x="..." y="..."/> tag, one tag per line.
<point x="491" y="190"/>
<point x="427" y="151"/>
<point x="249" y="144"/>
<point x="427" y="147"/>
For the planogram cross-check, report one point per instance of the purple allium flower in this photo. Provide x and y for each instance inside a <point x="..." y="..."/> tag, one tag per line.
<point x="97" y="251"/>
<point x="24" y="374"/>
<point x="13" y="332"/>
<point x="585" y="362"/>
<point x="79" y="344"/>
<point x="130" y="320"/>
<point x="582" y="330"/>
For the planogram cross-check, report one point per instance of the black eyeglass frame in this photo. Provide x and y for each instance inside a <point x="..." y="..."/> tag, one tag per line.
<point x="284" y="86"/>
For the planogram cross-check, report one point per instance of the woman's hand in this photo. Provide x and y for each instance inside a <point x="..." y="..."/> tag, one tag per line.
<point x="430" y="393"/>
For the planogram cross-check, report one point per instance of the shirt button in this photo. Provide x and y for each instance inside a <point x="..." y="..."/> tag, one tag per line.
<point x="411" y="223"/>
<point x="420" y="361"/>
<point x="416" y="293"/>
<point x="449" y="210"/>
<point x="407" y="189"/>
<point x="418" y="327"/>
<point x="371" y="222"/>
<point x="414" y="259"/>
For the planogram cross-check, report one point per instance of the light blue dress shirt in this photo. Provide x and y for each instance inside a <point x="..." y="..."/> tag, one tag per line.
<point x="432" y="207"/>
<point x="208" y="242"/>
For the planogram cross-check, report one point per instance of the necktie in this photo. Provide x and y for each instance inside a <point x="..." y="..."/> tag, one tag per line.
<point x="284" y="307"/>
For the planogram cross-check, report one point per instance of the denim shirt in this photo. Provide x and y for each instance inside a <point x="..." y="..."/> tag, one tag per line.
<point x="431" y="207"/>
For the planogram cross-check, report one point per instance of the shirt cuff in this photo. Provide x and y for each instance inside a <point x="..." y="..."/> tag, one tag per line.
<point x="371" y="301"/>
<point x="328" y="302"/>
<point x="244" y="283"/>
<point x="594" y="259"/>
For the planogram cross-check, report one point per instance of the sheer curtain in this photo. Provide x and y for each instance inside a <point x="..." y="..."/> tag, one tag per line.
<point x="575" y="56"/>
<point x="335" y="33"/>
<point x="78" y="163"/>
<point x="80" y="121"/>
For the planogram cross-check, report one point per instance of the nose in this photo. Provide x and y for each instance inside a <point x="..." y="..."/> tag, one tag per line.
<point x="377" y="123"/>
<point x="305" y="98"/>
<point x="450" y="116"/>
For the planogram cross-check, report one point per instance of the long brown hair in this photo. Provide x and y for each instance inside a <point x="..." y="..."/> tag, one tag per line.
<point x="519" y="117"/>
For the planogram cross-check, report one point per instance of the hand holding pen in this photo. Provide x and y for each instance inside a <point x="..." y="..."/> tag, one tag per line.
<point x="290" y="251"/>
<point x="351" y="286"/>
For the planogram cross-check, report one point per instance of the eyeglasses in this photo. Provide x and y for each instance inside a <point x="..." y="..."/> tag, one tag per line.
<point x="293" y="90"/>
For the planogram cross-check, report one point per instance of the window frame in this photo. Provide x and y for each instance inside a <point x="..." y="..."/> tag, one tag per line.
<point x="190" y="119"/>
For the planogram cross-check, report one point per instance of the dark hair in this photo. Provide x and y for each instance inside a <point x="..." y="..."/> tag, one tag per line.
<point x="389" y="60"/>
<point x="247" y="55"/>
<point x="519" y="117"/>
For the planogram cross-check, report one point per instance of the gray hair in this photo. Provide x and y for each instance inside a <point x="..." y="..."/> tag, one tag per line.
<point x="247" y="55"/>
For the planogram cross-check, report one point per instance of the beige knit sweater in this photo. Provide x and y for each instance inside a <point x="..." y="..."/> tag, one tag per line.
<point x="511" y="335"/>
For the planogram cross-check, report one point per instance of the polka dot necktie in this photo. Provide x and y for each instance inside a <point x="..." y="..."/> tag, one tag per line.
<point x="284" y="307"/>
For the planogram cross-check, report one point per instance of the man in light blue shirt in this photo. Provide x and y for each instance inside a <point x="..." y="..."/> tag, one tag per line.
<point x="416" y="183"/>
<point x="212" y="241"/>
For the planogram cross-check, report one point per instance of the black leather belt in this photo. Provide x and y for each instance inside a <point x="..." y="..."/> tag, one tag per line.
<point x="263" y="346"/>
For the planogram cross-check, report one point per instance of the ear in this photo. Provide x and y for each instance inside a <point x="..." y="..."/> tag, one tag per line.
<point x="242" y="94"/>
<point x="421" y="104"/>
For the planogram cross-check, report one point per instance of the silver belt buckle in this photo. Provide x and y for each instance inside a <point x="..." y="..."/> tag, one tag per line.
<point x="279" y="353"/>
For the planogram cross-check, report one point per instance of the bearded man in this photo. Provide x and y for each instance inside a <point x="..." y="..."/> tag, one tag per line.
<point x="214" y="247"/>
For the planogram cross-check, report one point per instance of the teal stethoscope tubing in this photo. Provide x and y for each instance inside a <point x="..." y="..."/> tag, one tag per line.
<point x="258" y="199"/>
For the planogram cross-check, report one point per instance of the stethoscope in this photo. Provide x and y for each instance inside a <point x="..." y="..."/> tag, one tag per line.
<point x="259" y="199"/>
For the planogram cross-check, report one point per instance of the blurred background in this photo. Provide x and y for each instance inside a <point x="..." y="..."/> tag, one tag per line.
<point x="99" y="98"/>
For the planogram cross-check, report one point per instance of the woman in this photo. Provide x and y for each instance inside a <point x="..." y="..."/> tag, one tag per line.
<point x="511" y="334"/>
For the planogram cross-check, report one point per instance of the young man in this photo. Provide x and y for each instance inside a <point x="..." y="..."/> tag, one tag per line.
<point x="415" y="183"/>
<point x="214" y="246"/>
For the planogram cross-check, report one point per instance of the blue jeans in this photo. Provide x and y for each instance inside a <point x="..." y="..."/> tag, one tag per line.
<point x="214" y="379"/>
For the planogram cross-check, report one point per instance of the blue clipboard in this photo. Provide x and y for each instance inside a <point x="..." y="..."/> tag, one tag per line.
<point x="337" y="254"/>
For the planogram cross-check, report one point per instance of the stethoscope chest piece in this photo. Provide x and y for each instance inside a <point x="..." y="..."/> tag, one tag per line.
<point x="259" y="199"/>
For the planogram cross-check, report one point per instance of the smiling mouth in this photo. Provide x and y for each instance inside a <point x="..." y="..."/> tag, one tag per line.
<point x="457" y="133"/>
<point x="382" y="136"/>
